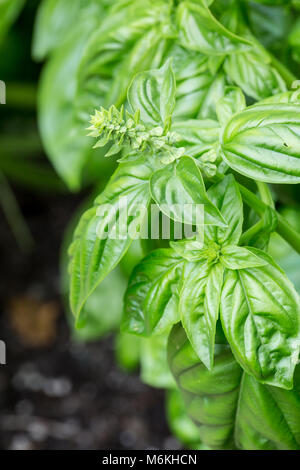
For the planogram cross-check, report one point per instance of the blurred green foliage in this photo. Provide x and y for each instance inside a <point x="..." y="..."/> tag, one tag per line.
<point x="89" y="51"/>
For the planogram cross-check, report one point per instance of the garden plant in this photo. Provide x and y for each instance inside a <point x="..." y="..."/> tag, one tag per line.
<point x="191" y="108"/>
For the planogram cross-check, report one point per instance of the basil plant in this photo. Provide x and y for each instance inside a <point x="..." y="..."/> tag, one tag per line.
<point x="197" y="104"/>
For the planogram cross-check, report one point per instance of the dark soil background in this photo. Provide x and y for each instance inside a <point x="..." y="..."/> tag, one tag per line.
<point x="56" y="393"/>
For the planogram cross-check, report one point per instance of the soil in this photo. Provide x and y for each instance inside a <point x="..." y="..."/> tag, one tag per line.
<point x="56" y="393"/>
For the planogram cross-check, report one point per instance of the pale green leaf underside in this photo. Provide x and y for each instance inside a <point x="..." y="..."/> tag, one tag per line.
<point x="233" y="410"/>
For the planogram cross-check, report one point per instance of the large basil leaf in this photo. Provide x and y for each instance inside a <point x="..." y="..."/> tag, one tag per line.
<point x="96" y="250"/>
<point x="193" y="79"/>
<point x="263" y="143"/>
<point x="179" y="191"/>
<point x="200" y="31"/>
<point x="152" y="93"/>
<point x="180" y="423"/>
<point x="232" y="409"/>
<point x="227" y="198"/>
<point x="151" y="299"/>
<point x="210" y="396"/>
<point x="252" y="71"/>
<point x="63" y="134"/>
<point x="198" y="86"/>
<point x="213" y="92"/>
<point x="260" y="312"/>
<point x="199" y="307"/>
<point x="146" y="54"/>
<point x="119" y="48"/>
<point x="55" y="20"/>
<point x="268" y="417"/>
<point x="102" y="311"/>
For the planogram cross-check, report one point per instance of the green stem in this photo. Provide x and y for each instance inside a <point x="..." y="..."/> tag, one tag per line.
<point x="284" y="229"/>
<point x="14" y="216"/>
<point x="265" y="194"/>
<point x="251" y="232"/>
<point x="286" y="74"/>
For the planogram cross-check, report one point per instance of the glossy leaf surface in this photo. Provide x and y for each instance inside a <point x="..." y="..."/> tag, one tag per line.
<point x="261" y="319"/>
<point x="233" y="410"/>
<point x="263" y="143"/>
<point x="103" y="235"/>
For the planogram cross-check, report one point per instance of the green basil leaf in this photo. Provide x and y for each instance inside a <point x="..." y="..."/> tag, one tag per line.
<point x="151" y="299"/>
<point x="200" y="31"/>
<point x="63" y="134"/>
<point x="197" y="136"/>
<point x="233" y="410"/>
<point x="198" y="88"/>
<point x="265" y="256"/>
<point x="268" y="417"/>
<point x="154" y="366"/>
<point x="118" y="48"/>
<point x="263" y="143"/>
<point x="213" y="92"/>
<point x="286" y="97"/>
<point x="152" y="93"/>
<point x="96" y="250"/>
<point x="237" y="257"/>
<point x="179" y="422"/>
<point x="55" y="21"/>
<point x="260" y="314"/>
<point x="179" y="191"/>
<point x="227" y="198"/>
<point x="145" y="54"/>
<point x="253" y="72"/>
<point x="200" y="140"/>
<point x="192" y="81"/>
<point x="233" y="102"/>
<point x="210" y="397"/>
<point x="102" y="311"/>
<point x="199" y="307"/>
